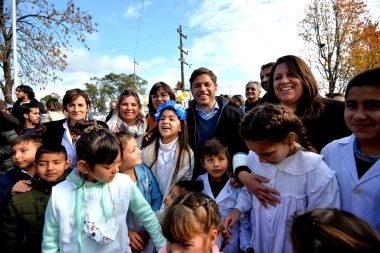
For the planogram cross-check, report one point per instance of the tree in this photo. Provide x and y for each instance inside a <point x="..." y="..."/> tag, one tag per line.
<point x="43" y="32"/>
<point x="102" y="90"/>
<point x="366" y="53"/>
<point x="330" y="29"/>
<point x="49" y="96"/>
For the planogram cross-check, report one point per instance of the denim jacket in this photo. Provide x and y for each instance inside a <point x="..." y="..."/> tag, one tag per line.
<point x="148" y="186"/>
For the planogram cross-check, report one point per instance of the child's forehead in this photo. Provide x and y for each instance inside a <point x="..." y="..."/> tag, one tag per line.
<point x="52" y="156"/>
<point x="366" y="92"/>
<point x="214" y="154"/>
<point x="25" y="144"/>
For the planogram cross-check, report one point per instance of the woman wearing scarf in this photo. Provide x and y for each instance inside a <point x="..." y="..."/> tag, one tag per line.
<point x="77" y="104"/>
<point x="128" y="116"/>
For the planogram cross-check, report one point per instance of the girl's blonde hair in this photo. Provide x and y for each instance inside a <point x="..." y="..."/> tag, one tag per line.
<point x="190" y="215"/>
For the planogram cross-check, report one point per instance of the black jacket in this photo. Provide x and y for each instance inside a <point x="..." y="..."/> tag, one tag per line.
<point x="16" y="112"/>
<point x="226" y="129"/>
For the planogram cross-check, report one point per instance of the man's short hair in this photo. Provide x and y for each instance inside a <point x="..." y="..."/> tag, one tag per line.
<point x="25" y="108"/>
<point x="269" y="64"/>
<point x="27" y="90"/>
<point x="202" y="71"/>
<point x="258" y="85"/>
<point x="27" y="138"/>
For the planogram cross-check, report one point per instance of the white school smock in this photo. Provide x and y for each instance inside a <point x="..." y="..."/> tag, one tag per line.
<point x="226" y="201"/>
<point x="304" y="182"/>
<point x="61" y="225"/>
<point x="359" y="196"/>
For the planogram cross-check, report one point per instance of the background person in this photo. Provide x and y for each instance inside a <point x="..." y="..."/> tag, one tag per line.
<point x="252" y="93"/>
<point x="54" y="111"/>
<point x="25" y="95"/>
<point x="112" y="110"/>
<point x="7" y="136"/>
<point x="158" y="95"/>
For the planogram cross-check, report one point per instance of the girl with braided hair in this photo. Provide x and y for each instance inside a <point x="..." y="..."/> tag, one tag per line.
<point x="280" y="151"/>
<point x="192" y="224"/>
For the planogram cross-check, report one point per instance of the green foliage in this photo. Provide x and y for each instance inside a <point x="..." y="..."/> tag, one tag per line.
<point x="49" y="96"/>
<point x="102" y="90"/>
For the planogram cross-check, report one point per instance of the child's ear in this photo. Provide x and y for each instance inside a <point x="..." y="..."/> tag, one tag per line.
<point x="291" y="138"/>
<point x="83" y="166"/>
<point x="213" y="237"/>
<point x="67" y="164"/>
<point x="203" y="164"/>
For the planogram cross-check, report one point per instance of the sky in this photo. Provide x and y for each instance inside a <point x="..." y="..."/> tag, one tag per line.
<point x="233" y="38"/>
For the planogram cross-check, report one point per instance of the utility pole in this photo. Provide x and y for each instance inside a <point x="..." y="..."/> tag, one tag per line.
<point x="181" y="59"/>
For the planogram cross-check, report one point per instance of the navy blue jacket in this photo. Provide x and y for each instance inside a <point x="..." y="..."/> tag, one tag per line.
<point x="7" y="181"/>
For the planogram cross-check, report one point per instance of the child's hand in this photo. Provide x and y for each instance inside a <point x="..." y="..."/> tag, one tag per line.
<point x="21" y="186"/>
<point x="144" y="236"/>
<point x="250" y="250"/>
<point x="230" y="220"/>
<point x="137" y="242"/>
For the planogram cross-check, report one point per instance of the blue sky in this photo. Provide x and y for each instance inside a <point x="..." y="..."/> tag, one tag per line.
<point x="231" y="37"/>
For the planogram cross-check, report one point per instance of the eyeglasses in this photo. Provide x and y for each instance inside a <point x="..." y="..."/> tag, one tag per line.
<point x="162" y="95"/>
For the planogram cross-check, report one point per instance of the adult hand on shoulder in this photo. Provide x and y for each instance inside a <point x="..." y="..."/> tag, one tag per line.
<point x="263" y="194"/>
<point x="21" y="186"/>
<point x="137" y="243"/>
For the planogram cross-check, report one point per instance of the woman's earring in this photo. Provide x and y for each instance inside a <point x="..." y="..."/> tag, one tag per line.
<point x="86" y="172"/>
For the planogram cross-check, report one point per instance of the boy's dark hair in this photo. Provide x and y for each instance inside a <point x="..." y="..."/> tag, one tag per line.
<point x="370" y="77"/>
<point x="214" y="146"/>
<point x="25" y="108"/>
<point x="27" y="90"/>
<point x="50" y="149"/>
<point x="187" y="186"/>
<point x="34" y="138"/>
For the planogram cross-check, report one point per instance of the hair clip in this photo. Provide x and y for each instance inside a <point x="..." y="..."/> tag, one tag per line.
<point x="207" y="201"/>
<point x="179" y="110"/>
<point x="94" y="127"/>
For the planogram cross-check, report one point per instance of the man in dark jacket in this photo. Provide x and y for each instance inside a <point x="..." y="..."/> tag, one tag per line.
<point x="209" y="116"/>
<point x="25" y="95"/>
<point x="22" y="227"/>
<point x="7" y="136"/>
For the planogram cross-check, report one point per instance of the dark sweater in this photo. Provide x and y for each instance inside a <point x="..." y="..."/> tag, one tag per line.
<point x="226" y="129"/>
<point x="329" y="126"/>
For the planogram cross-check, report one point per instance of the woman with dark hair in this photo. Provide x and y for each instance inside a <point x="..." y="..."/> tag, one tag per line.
<point x="332" y="230"/>
<point x="158" y="95"/>
<point x="293" y="84"/>
<point x="76" y="103"/>
<point x="128" y="116"/>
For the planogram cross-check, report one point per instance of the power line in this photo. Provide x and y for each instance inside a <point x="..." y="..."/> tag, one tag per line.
<point x="146" y="71"/>
<point x="138" y="30"/>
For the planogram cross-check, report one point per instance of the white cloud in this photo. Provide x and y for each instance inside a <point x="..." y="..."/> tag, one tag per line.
<point x="134" y="10"/>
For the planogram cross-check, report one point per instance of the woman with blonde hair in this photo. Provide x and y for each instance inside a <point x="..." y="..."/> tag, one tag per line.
<point x="54" y="111"/>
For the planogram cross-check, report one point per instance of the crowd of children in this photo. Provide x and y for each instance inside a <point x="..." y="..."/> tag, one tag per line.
<point x="118" y="198"/>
